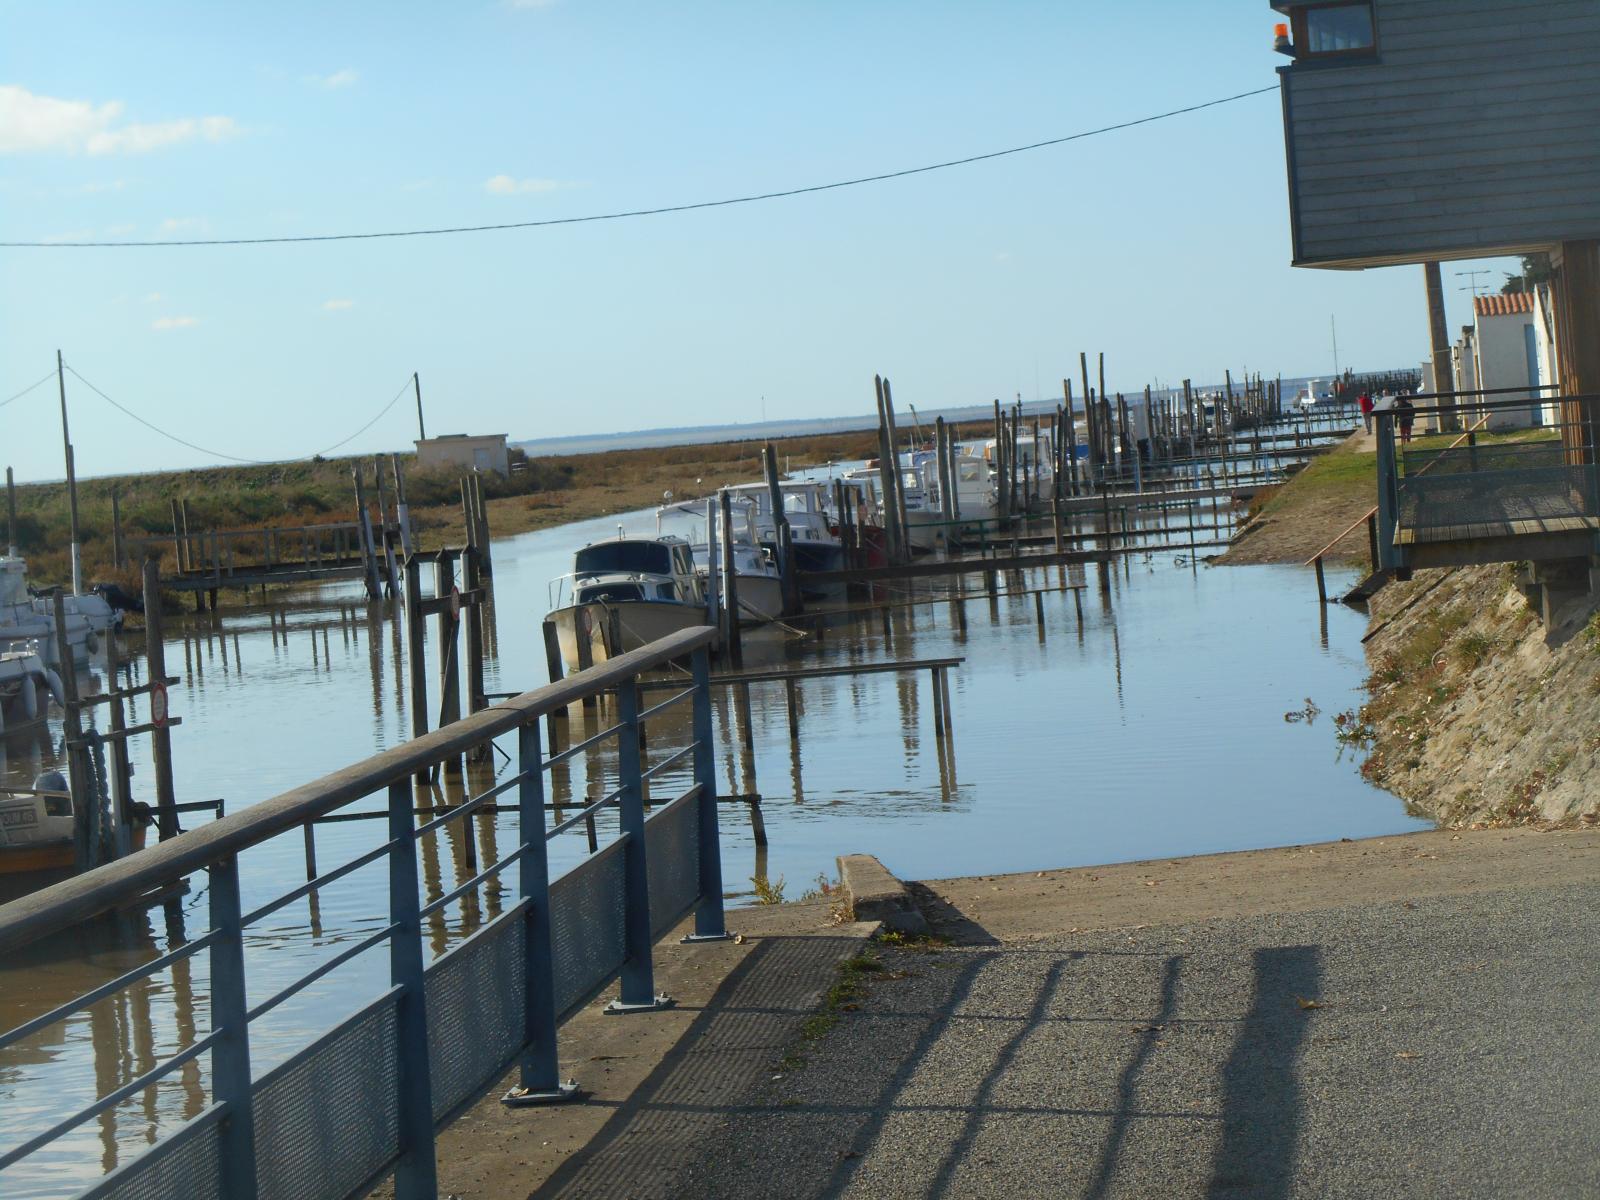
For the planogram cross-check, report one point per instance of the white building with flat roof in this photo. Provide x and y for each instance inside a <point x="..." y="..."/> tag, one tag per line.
<point x="468" y="451"/>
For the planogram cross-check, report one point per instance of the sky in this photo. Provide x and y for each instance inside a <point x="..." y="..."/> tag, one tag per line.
<point x="1166" y="246"/>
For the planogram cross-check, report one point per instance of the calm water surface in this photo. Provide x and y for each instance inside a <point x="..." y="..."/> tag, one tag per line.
<point x="1153" y="727"/>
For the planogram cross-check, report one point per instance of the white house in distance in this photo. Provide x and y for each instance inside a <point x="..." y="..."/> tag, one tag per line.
<point x="1505" y="347"/>
<point x="471" y="451"/>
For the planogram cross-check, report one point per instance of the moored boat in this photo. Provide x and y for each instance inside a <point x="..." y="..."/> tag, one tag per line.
<point x="624" y="593"/>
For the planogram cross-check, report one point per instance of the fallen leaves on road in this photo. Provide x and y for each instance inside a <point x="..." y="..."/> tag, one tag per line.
<point x="1304" y="1003"/>
<point x="1408" y="1054"/>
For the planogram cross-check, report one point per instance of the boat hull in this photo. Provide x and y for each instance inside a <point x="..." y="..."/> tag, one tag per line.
<point x="760" y="599"/>
<point x="602" y="630"/>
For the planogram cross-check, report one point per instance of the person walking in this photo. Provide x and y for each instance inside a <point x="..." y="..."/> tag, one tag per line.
<point x="1366" y="410"/>
<point x="1405" y="413"/>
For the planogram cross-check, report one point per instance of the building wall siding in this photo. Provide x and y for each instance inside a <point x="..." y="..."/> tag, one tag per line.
<point x="1475" y="131"/>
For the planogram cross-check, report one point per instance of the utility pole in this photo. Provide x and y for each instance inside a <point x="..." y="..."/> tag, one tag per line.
<point x="72" y="481"/>
<point x="1444" y="384"/>
<point x="11" y="514"/>
<point x="422" y="430"/>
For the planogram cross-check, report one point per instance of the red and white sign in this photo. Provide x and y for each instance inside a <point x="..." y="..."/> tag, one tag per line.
<point x="158" y="705"/>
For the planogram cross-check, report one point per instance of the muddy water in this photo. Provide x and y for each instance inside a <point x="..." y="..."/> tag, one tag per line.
<point x="1153" y="725"/>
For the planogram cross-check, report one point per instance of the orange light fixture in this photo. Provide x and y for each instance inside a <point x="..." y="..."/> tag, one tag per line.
<point x="1280" y="39"/>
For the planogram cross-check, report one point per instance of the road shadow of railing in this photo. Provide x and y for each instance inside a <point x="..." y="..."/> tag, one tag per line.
<point x="734" y="1042"/>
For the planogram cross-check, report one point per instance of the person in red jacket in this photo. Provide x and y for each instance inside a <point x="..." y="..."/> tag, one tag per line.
<point x="1366" y="410"/>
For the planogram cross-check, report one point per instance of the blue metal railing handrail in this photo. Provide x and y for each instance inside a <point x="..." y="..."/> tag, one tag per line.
<point x="684" y="867"/>
<point x="64" y="904"/>
<point x="1469" y="404"/>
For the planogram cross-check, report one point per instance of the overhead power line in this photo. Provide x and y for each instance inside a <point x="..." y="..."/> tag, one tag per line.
<point x="254" y="462"/>
<point x="660" y="210"/>
<point x="28" y="389"/>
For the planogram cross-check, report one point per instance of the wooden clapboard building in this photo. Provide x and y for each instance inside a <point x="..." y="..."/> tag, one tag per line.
<point x="1418" y="131"/>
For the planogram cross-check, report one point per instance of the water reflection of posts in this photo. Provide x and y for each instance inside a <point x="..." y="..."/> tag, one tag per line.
<point x="792" y="703"/>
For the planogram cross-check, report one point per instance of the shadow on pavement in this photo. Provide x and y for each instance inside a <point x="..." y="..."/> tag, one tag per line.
<point x="1261" y="1107"/>
<point x="733" y="1043"/>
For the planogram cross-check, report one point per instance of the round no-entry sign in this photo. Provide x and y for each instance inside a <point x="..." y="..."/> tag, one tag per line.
<point x="158" y="705"/>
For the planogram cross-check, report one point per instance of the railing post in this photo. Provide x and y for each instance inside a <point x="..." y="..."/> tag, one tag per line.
<point x="541" y="1069"/>
<point x="638" y="977"/>
<point x="230" y="1056"/>
<point x="415" y="1177"/>
<point x="708" y="917"/>
<point x="1388" y="493"/>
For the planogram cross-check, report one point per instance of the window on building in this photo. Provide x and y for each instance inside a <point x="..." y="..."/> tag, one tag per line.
<point x="1335" y="30"/>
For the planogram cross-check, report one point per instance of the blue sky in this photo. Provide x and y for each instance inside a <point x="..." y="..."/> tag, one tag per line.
<point x="1165" y="246"/>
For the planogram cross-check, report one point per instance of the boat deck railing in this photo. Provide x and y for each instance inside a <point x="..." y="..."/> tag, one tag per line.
<point x="365" y="1096"/>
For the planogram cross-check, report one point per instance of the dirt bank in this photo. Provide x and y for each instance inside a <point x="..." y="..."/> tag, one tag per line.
<point x="1479" y="714"/>
<point x="1292" y="522"/>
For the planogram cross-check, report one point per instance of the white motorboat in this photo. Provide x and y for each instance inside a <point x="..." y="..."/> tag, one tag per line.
<point x="28" y="618"/>
<point x="27" y="686"/>
<point x="624" y="593"/>
<point x="759" y="584"/>
<point x="816" y="545"/>
<point x="1035" y="468"/>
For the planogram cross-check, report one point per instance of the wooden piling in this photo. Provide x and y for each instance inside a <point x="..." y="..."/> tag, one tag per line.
<point x="732" y="642"/>
<point x="369" y="557"/>
<point x="155" y="657"/>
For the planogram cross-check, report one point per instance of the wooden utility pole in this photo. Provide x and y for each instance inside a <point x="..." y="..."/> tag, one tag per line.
<point x="11" y="514"/>
<point x="1444" y="382"/>
<point x="72" y="481"/>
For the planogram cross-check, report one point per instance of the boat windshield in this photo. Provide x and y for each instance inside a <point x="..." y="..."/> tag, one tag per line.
<point x="609" y="591"/>
<point x="633" y="558"/>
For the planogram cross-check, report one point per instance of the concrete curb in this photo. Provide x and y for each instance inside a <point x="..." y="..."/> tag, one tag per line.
<point x="876" y="895"/>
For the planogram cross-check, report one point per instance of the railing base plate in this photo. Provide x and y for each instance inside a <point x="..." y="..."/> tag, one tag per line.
<point x="526" y="1098"/>
<point x="696" y="938"/>
<point x="618" y="1009"/>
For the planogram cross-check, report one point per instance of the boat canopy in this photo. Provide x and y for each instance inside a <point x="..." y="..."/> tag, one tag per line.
<point x="624" y="557"/>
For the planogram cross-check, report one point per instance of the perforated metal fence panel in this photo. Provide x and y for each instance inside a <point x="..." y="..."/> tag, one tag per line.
<point x="475" y="1011"/>
<point x="672" y="854"/>
<point x="586" y="914"/>
<point x="1489" y="485"/>
<point x="184" y="1164"/>
<point x="327" y="1120"/>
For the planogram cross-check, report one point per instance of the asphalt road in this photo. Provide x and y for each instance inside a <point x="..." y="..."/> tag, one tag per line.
<point x="1434" y="1047"/>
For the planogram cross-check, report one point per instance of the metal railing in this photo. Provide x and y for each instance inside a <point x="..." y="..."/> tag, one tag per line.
<point x="367" y="1095"/>
<point x="1521" y="466"/>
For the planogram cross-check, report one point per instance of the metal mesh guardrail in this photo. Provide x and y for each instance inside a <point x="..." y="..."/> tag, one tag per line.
<point x="1499" y="470"/>
<point x="365" y="1096"/>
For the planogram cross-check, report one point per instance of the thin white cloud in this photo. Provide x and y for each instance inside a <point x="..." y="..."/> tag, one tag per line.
<point x="179" y="224"/>
<point x="164" y="323"/>
<point x="153" y="298"/>
<point x="343" y="78"/>
<point x="505" y="185"/>
<point x="119" y="230"/>
<point x="337" y="305"/>
<point x="29" y="122"/>
<point x="71" y="235"/>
